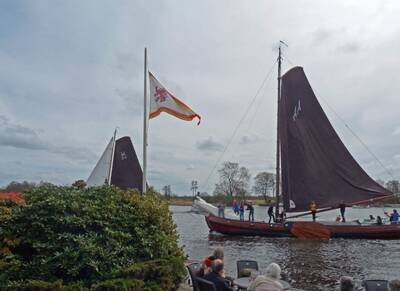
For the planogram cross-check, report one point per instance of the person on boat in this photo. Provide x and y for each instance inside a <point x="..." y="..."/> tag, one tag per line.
<point x="217" y="276"/>
<point x="379" y="220"/>
<point x="221" y="210"/>
<point x="342" y="207"/>
<point x="250" y="208"/>
<point x="241" y="210"/>
<point x="269" y="281"/>
<point x="282" y="216"/>
<point x="313" y="209"/>
<point x="393" y="217"/>
<point x="234" y="206"/>
<point x="394" y="285"/>
<point x="346" y="284"/>
<point x="271" y="213"/>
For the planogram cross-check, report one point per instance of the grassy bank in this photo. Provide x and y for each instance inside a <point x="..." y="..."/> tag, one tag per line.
<point x="188" y="200"/>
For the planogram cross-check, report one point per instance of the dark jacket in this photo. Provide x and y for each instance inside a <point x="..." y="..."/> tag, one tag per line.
<point x="250" y="207"/>
<point x="218" y="281"/>
<point x="271" y="210"/>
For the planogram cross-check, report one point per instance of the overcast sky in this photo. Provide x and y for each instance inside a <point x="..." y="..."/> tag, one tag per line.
<point x="71" y="71"/>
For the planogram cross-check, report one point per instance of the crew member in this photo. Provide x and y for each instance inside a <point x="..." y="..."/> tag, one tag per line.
<point x="221" y="210"/>
<point x="241" y="210"/>
<point x="250" y="208"/>
<point x="393" y="217"/>
<point x="313" y="209"/>
<point x="271" y="213"/>
<point x="342" y="207"/>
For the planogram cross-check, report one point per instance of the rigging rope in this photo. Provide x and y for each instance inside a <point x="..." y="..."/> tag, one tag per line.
<point x="351" y="130"/>
<point x="238" y="125"/>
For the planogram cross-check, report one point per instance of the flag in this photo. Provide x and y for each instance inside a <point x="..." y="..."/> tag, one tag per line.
<point x="163" y="101"/>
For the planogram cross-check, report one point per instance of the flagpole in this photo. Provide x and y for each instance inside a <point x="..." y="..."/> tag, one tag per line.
<point x="145" y="124"/>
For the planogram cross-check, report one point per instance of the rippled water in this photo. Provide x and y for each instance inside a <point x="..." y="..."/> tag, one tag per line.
<point x="308" y="264"/>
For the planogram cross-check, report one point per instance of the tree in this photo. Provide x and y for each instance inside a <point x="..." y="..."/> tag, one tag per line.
<point x="264" y="183"/>
<point x="233" y="180"/>
<point x="80" y="184"/>
<point x="20" y="186"/>
<point x="167" y="191"/>
<point x="393" y="185"/>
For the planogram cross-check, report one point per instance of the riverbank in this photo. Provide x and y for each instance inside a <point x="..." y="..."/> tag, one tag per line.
<point x="188" y="200"/>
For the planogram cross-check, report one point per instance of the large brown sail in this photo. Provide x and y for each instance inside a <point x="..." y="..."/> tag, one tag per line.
<point x="316" y="166"/>
<point x="126" y="170"/>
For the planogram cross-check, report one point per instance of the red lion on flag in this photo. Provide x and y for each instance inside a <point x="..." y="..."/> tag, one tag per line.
<point x="161" y="94"/>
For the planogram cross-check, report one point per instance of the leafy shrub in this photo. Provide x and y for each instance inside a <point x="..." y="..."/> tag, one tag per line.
<point x="38" y="285"/>
<point x="119" y="284"/>
<point x="89" y="236"/>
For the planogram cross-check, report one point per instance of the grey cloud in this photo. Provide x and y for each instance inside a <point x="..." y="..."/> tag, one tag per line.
<point x="190" y="167"/>
<point x="248" y="139"/>
<point x="126" y="64"/>
<point x="209" y="145"/>
<point x="132" y="100"/>
<point x="22" y="137"/>
<point x="396" y="131"/>
<point x="349" y="47"/>
<point x="18" y="136"/>
<point x="321" y="35"/>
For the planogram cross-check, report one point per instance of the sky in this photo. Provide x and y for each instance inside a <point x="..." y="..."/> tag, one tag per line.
<point x="72" y="71"/>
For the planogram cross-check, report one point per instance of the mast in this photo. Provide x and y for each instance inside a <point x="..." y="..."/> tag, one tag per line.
<point x="112" y="157"/>
<point x="145" y="123"/>
<point x="278" y="143"/>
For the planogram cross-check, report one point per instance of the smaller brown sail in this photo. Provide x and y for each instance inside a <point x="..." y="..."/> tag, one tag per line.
<point x="316" y="165"/>
<point x="126" y="170"/>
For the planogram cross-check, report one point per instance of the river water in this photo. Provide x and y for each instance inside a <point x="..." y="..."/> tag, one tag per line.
<point x="308" y="264"/>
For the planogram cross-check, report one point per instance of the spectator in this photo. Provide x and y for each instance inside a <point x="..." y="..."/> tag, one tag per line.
<point x="217" y="276"/>
<point x="394" y="285"/>
<point x="346" y="284"/>
<point x="269" y="281"/>
<point x="206" y="264"/>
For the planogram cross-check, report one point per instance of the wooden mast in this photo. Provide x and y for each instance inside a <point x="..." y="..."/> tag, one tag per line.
<point x="278" y="143"/>
<point x="112" y="157"/>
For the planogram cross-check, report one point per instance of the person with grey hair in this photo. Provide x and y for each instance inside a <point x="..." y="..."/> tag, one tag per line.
<point x="394" y="285"/>
<point x="269" y="281"/>
<point x="346" y="284"/>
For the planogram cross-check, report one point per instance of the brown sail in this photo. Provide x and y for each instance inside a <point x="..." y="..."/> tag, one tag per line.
<point x="126" y="170"/>
<point x="316" y="166"/>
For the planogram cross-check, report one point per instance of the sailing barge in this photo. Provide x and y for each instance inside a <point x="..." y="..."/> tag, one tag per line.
<point x="314" y="165"/>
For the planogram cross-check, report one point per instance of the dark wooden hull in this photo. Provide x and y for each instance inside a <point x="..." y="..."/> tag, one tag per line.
<point x="237" y="227"/>
<point x="337" y="230"/>
<point x="387" y="231"/>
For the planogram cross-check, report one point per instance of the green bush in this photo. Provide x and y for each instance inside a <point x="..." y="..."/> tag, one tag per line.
<point x="89" y="236"/>
<point x="119" y="284"/>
